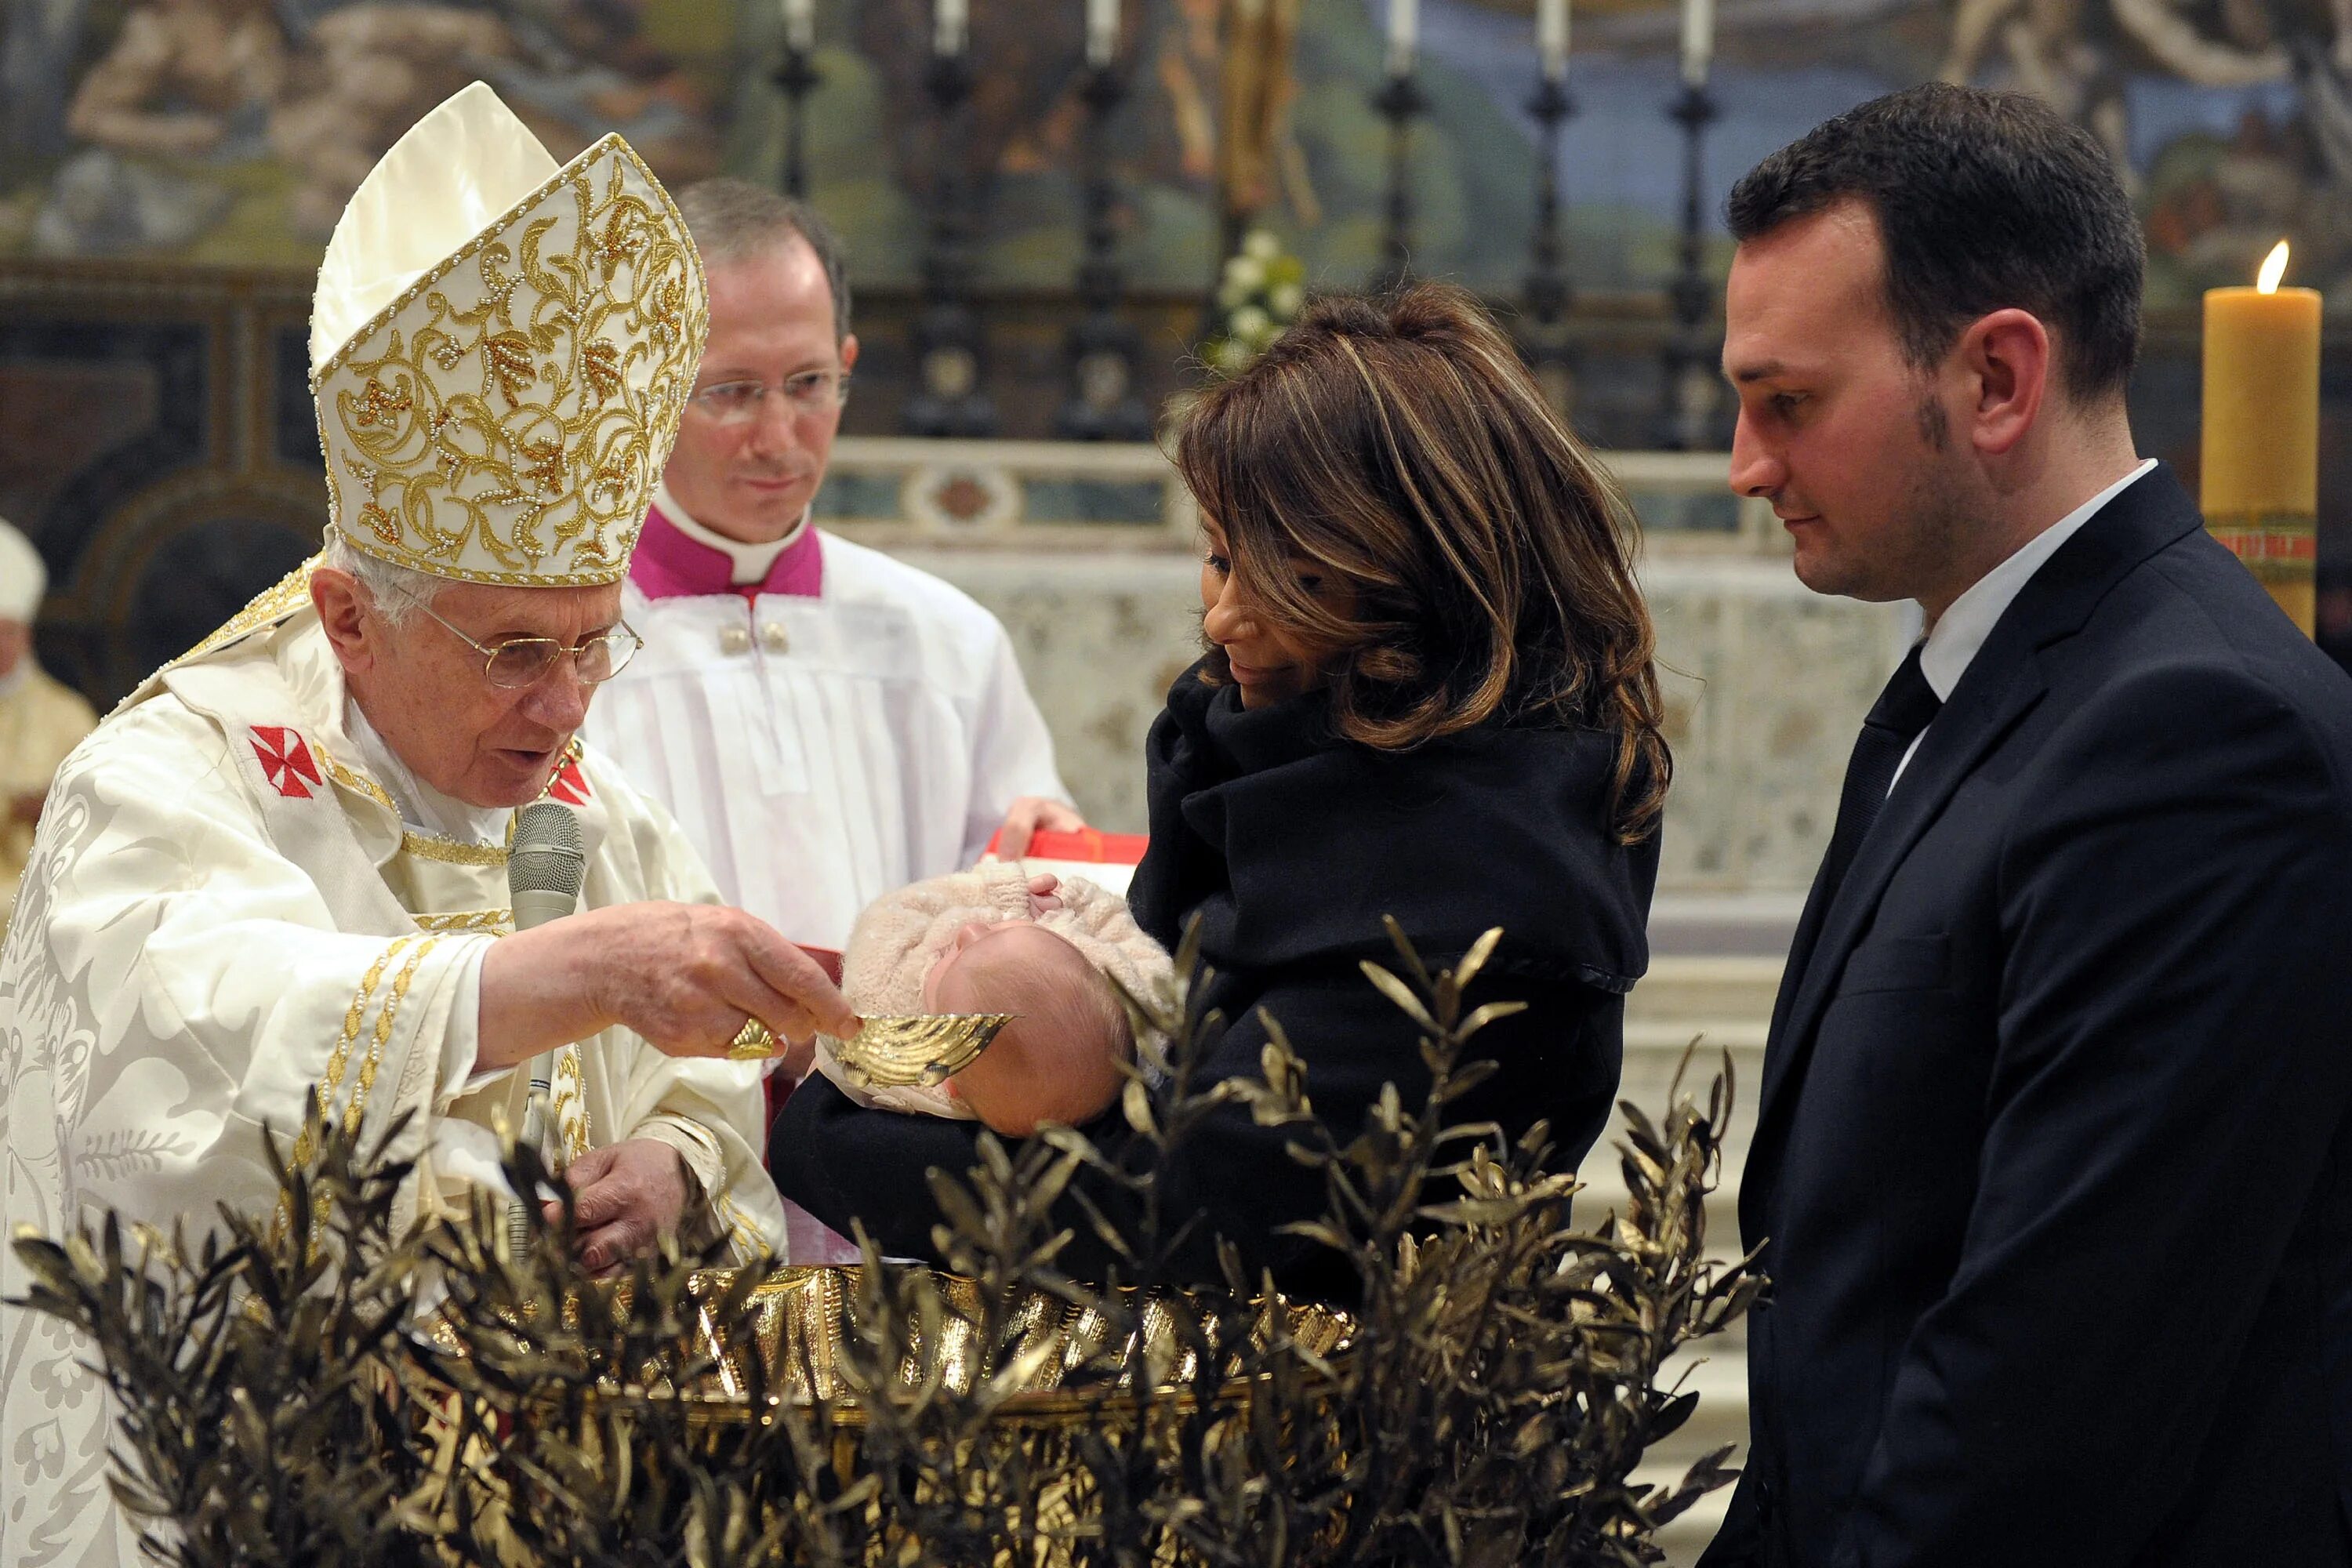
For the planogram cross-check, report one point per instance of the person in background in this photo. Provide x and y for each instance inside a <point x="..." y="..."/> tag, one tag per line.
<point x="826" y="723"/>
<point x="41" y="719"/>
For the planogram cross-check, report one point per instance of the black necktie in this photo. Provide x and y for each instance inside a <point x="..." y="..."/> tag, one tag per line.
<point x="1902" y="710"/>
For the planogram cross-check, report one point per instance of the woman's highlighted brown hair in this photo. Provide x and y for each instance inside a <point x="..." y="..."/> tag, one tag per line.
<point x="1398" y="448"/>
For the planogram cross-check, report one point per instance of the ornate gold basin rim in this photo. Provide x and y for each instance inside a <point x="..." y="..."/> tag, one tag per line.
<point x="801" y="1311"/>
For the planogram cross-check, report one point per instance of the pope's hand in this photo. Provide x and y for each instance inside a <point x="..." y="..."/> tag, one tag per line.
<point x="1030" y="815"/>
<point x="683" y="976"/>
<point x="625" y="1198"/>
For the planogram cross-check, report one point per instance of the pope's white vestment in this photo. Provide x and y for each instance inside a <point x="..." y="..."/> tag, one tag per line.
<point x="224" y="907"/>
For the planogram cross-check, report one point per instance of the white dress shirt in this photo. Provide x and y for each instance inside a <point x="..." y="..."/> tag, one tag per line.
<point x="1960" y="632"/>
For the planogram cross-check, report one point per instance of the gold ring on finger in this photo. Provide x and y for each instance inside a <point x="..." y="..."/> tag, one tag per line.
<point x="752" y="1043"/>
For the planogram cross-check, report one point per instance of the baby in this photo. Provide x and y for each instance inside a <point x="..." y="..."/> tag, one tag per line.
<point x="992" y="940"/>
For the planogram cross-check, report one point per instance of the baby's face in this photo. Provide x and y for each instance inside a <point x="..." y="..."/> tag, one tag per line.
<point x="966" y="936"/>
<point x="1044" y="898"/>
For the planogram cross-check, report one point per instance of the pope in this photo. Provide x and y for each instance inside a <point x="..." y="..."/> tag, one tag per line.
<point x="281" y="863"/>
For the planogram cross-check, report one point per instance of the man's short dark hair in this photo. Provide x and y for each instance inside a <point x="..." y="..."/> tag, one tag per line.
<point x="1985" y="201"/>
<point x="731" y="219"/>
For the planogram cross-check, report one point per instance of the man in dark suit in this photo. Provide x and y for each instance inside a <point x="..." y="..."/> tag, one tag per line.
<point x="2054" y="1155"/>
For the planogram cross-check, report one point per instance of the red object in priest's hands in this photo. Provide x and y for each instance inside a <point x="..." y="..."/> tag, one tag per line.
<point x="1085" y="844"/>
<point x="1107" y="859"/>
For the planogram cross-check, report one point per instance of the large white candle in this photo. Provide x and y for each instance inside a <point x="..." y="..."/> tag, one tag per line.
<point x="1551" y="38"/>
<point x="1404" y="34"/>
<point x="800" y="24"/>
<point x="1102" y="31"/>
<point x="1698" y="40"/>
<point x="949" y="23"/>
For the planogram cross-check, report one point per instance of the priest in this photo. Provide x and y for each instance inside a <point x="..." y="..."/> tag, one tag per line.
<point x="41" y="719"/>
<point x="279" y="867"/>
<point x="829" y="723"/>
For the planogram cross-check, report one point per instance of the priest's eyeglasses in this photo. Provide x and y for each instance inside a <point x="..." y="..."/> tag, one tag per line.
<point x="518" y="662"/>
<point x="739" y="402"/>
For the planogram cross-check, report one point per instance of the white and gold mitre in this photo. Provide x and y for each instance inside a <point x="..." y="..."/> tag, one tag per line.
<point x="501" y="349"/>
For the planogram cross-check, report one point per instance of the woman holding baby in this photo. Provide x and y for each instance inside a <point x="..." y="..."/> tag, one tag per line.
<point x="1426" y="693"/>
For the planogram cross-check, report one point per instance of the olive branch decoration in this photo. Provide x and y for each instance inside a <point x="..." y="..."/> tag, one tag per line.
<point x="335" y="1393"/>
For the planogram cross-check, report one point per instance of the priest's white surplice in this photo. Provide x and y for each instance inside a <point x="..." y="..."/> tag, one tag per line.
<point x="224" y="907"/>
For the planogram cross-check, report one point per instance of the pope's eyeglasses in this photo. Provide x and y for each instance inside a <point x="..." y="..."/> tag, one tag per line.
<point x="514" y="663"/>
<point x="811" y="391"/>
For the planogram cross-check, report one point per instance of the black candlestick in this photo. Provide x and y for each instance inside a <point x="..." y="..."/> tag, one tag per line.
<point x="797" y="76"/>
<point x="1686" y="410"/>
<point x="1399" y="101"/>
<point x="951" y="350"/>
<point x="1101" y="350"/>
<point x="1549" y="291"/>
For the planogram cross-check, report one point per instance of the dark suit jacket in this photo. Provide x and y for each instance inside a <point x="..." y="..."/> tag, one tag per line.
<point x="2052" y="1151"/>
<point x="1289" y="844"/>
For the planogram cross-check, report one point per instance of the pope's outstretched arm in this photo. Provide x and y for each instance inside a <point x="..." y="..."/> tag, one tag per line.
<point x="683" y="976"/>
<point x="173" y="983"/>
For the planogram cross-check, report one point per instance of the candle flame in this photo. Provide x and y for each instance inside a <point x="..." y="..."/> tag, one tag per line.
<point x="2274" y="269"/>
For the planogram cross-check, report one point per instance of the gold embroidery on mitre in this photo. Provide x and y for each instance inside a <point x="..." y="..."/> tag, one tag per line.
<point x="504" y="420"/>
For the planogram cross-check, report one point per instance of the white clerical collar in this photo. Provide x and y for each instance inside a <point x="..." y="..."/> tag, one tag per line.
<point x="421" y="806"/>
<point x="753" y="561"/>
<point x="1961" y="630"/>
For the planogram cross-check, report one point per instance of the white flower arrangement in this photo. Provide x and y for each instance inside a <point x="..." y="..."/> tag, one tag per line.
<point x="1259" y="293"/>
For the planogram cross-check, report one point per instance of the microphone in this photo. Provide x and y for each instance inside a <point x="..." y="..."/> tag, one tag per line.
<point x="546" y="865"/>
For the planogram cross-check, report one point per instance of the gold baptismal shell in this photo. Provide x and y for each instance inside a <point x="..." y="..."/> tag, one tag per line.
<point x="891" y="1053"/>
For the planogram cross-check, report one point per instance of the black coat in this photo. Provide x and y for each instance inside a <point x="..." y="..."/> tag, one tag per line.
<point x="1290" y="844"/>
<point x="2054" y="1150"/>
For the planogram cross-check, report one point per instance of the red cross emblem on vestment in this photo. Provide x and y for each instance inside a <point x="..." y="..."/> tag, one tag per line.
<point x="568" y="784"/>
<point x="285" y="760"/>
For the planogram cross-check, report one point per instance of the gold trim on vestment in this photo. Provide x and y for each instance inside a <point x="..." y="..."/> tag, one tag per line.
<point x="275" y="603"/>
<point x="496" y="923"/>
<point x="749" y="1244"/>
<point x="330" y="1083"/>
<point x="359" y="784"/>
<point x="569" y="1095"/>
<point x="339" y="1059"/>
<point x="450" y="851"/>
<point x="358" y="1106"/>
